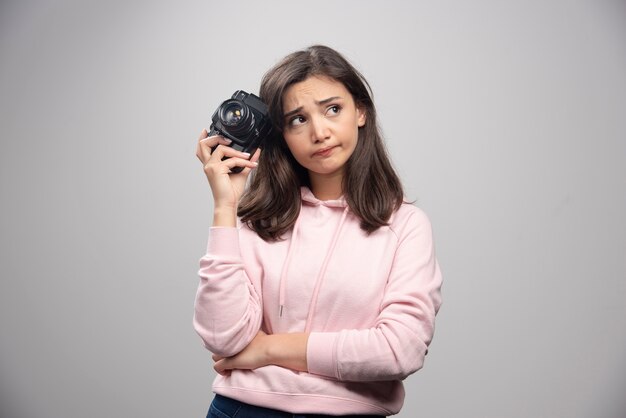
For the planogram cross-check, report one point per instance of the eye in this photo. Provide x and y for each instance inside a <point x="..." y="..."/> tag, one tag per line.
<point x="296" y="121"/>
<point x="333" y="110"/>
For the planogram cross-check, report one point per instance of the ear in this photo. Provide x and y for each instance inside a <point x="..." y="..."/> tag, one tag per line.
<point x="361" y="116"/>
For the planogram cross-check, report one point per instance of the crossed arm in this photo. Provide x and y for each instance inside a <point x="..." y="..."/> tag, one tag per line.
<point x="285" y="350"/>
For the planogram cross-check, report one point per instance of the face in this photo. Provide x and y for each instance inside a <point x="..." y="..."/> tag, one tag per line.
<point x="321" y="125"/>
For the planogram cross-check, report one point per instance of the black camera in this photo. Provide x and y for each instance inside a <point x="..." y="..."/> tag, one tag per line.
<point x="244" y="119"/>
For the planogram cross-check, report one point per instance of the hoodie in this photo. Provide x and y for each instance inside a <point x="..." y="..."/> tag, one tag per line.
<point x="368" y="303"/>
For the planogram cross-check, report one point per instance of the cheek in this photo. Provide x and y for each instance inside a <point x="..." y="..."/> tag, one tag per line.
<point x="351" y="134"/>
<point x="292" y="145"/>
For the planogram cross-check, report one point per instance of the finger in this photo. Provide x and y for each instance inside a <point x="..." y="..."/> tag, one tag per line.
<point x="214" y="140"/>
<point x="203" y="134"/>
<point x="221" y="152"/>
<point x="216" y="357"/>
<point x="239" y="162"/>
<point x="220" y="367"/>
<point x="254" y="160"/>
<point x="205" y="146"/>
<point x="256" y="155"/>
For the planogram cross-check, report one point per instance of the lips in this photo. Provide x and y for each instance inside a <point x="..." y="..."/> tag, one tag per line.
<point x="324" y="152"/>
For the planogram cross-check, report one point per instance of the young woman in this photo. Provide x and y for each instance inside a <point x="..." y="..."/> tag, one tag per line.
<point x="319" y="287"/>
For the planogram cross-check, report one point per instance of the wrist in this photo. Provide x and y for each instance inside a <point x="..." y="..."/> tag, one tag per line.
<point x="224" y="216"/>
<point x="267" y="353"/>
<point x="287" y="350"/>
<point x="270" y="350"/>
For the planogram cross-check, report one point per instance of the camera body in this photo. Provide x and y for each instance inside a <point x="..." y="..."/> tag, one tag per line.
<point x="245" y="120"/>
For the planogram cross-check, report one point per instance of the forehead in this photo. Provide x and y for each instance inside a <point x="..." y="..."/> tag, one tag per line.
<point x="311" y="90"/>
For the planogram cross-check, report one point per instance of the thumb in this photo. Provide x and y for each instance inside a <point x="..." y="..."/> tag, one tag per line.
<point x="221" y="367"/>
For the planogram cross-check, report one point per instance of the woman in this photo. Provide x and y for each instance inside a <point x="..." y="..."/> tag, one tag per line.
<point x="319" y="287"/>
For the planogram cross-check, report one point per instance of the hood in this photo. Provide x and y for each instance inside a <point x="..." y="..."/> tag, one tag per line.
<point x="309" y="198"/>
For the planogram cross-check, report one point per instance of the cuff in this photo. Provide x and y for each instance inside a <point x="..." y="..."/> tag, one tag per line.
<point x="321" y="354"/>
<point x="223" y="241"/>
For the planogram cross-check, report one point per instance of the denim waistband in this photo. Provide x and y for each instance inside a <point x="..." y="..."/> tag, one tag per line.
<point x="224" y="407"/>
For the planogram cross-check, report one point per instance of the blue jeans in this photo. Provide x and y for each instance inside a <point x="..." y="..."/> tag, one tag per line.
<point x="223" y="407"/>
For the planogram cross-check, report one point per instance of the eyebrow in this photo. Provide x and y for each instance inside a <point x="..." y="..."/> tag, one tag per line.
<point x="319" y="103"/>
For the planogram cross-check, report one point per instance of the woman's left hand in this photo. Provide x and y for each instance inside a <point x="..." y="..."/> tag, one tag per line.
<point x="252" y="357"/>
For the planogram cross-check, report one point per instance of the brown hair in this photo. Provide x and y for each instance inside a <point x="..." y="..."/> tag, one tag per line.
<point x="372" y="189"/>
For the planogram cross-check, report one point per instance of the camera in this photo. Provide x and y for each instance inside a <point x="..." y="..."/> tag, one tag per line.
<point x="245" y="120"/>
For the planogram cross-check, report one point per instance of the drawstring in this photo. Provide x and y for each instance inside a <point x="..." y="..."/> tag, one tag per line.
<point x="283" y="273"/>
<point x="320" y="276"/>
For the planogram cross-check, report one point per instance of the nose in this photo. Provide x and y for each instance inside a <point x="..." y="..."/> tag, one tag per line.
<point x="320" y="131"/>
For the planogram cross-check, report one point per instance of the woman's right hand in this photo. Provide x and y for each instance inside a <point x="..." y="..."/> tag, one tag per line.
<point x="226" y="187"/>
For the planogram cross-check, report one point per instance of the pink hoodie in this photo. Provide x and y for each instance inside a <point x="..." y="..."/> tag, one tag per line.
<point x="368" y="302"/>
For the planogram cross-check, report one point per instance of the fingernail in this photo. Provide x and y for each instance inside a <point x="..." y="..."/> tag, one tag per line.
<point x="228" y="141"/>
<point x="247" y="154"/>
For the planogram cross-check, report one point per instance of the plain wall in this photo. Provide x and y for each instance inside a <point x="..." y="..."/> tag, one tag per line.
<point x="506" y="121"/>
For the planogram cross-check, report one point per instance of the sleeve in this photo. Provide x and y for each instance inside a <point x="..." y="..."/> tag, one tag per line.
<point x="397" y="343"/>
<point x="228" y="312"/>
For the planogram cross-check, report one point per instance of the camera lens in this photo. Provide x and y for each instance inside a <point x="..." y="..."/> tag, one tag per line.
<point x="232" y="114"/>
<point x="236" y="117"/>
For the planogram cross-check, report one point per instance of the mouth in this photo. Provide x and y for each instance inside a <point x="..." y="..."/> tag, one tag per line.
<point x="324" y="152"/>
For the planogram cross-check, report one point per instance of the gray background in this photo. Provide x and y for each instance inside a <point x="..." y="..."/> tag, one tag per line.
<point x="506" y="121"/>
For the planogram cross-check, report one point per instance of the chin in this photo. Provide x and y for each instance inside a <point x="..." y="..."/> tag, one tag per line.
<point x="326" y="169"/>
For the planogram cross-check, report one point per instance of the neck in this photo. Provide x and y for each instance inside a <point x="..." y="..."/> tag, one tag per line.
<point x="327" y="186"/>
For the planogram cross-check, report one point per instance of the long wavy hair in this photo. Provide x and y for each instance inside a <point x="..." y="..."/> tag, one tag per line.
<point x="371" y="187"/>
